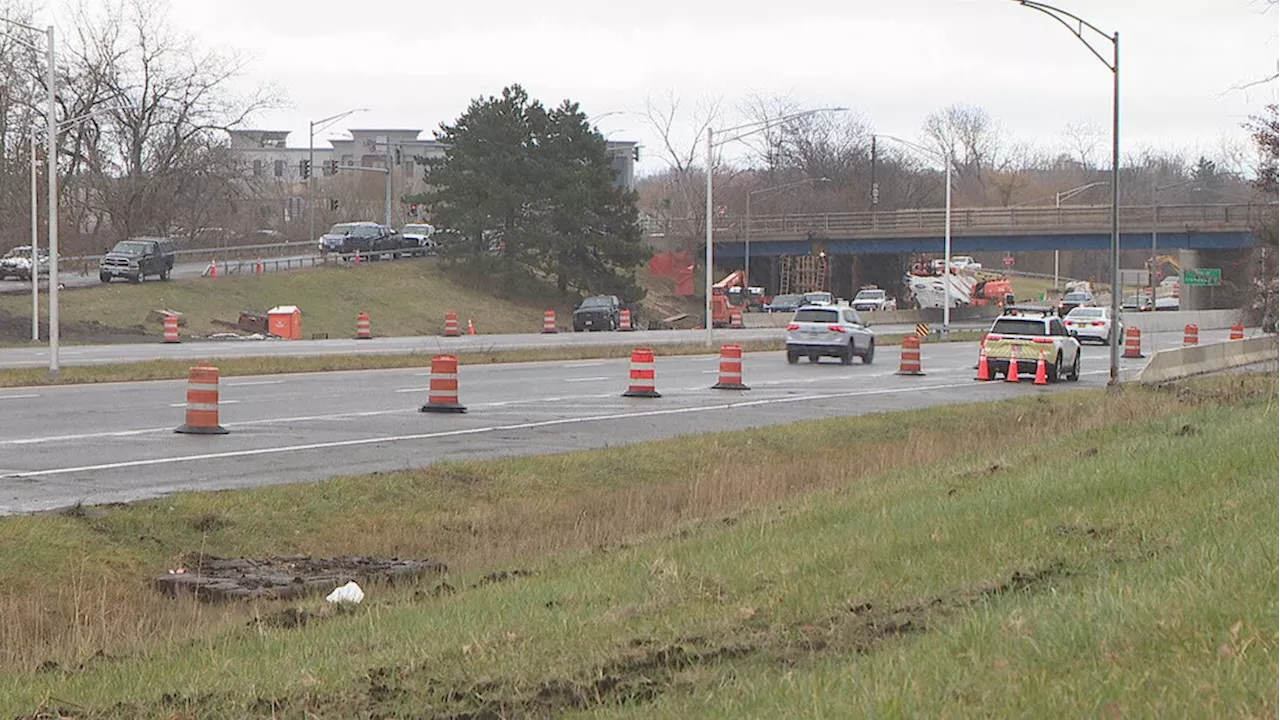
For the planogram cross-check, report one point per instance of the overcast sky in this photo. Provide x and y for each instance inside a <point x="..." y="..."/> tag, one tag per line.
<point x="418" y="64"/>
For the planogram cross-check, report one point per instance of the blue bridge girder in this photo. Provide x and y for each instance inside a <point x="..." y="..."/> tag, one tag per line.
<point x="975" y="230"/>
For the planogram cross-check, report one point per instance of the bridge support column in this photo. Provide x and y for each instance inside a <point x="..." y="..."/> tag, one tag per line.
<point x="1191" y="297"/>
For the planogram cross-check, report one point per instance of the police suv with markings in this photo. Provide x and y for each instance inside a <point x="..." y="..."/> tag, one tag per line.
<point x="1025" y="333"/>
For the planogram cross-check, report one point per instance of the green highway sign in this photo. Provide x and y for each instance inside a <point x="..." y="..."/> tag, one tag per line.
<point x="1209" y="277"/>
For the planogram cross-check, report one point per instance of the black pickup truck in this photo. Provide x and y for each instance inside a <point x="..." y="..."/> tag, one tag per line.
<point x="136" y="259"/>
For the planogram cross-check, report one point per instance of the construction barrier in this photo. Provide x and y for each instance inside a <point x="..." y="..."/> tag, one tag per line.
<point x="549" y="322"/>
<point x="1133" y="343"/>
<point x="922" y="330"/>
<point x="202" y="402"/>
<point x="1237" y="331"/>
<point x="624" y="320"/>
<point x="259" y="268"/>
<point x="730" y="369"/>
<point x="451" y="325"/>
<point x="1042" y="372"/>
<point x="171" y="329"/>
<point x="364" y="327"/>
<point x="910" y="364"/>
<point x="984" y="371"/>
<point x="735" y="319"/>
<point x="1190" y="336"/>
<point x="643" y="377"/>
<point x="442" y="391"/>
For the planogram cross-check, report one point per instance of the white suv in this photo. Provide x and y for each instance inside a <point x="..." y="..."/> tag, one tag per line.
<point x="822" y="330"/>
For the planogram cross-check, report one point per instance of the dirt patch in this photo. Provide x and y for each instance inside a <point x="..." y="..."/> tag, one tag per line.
<point x="503" y="576"/>
<point x="217" y="579"/>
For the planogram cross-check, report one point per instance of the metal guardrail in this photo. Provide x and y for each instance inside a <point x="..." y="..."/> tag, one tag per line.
<point x="221" y="254"/>
<point x="932" y="221"/>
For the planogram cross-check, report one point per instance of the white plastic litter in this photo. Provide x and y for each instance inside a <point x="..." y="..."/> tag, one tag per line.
<point x="349" y="593"/>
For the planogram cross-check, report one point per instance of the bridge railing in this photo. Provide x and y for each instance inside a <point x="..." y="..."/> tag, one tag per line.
<point x="932" y="221"/>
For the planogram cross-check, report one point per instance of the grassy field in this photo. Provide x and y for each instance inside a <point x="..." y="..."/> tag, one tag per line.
<point x="232" y="367"/>
<point x="403" y="298"/>
<point x="1093" y="554"/>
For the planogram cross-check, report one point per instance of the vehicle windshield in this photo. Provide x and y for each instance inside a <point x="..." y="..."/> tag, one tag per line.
<point x="1076" y="297"/>
<point x="1017" y="326"/>
<point x="1086" y="313"/>
<point x="343" y="229"/>
<point x="869" y="295"/>
<point x="817" y="316"/>
<point x="130" y="248"/>
<point x="783" y="300"/>
<point x="595" y="302"/>
<point x="417" y="230"/>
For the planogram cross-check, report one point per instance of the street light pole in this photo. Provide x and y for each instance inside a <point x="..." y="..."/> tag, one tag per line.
<point x="1077" y="26"/>
<point x="311" y="165"/>
<point x="742" y="131"/>
<point x="52" y="119"/>
<point x="35" y="241"/>
<point x="1057" y="204"/>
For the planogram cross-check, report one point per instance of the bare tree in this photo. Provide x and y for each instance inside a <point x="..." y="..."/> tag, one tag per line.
<point x="685" y="198"/>
<point x="1081" y="140"/>
<point x="967" y="134"/>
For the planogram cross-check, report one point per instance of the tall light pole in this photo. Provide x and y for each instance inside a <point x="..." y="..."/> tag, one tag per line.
<point x="51" y="127"/>
<point x="1057" y="203"/>
<point x="947" y="161"/>
<point x="742" y="131"/>
<point x="312" y="126"/>
<point x="1078" y="26"/>
<point x="746" y="262"/>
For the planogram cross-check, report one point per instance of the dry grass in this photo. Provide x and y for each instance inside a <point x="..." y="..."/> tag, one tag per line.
<point x="76" y="582"/>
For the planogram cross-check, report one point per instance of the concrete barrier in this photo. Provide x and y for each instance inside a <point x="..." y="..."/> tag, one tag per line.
<point x="1185" y="362"/>
<point x="887" y="317"/>
<point x="1176" y="320"/>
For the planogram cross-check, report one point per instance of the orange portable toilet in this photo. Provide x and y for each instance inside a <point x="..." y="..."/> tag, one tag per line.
<point x="285" y="321"/>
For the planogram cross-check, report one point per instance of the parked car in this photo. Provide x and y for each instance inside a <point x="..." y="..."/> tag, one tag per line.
<point x="784" y="303"/>
<point x="599" y="312"/>
<point x="1093" y="323"/>
<point x="17" y="263"/>
<point x="818" y="331"/>
<point x="417" y="239"/>
<point x="136" y="259"/>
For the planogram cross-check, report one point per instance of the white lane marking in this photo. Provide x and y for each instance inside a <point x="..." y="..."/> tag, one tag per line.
<point x="471" y="431"/>
<point x="413" y="390"/>
<point x="222" y="402"/>
<point x="255" y="382"/>
<point x="574" y="366"/>
<point x="585" y="379"/>
<point x="18" y="397"/>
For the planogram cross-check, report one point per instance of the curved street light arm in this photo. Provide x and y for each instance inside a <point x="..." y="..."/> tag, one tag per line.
<point x="752" y="128"/>
<point x="1078" y="30"/>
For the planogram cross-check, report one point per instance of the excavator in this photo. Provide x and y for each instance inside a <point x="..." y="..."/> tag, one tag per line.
<point x="729" y="293"/>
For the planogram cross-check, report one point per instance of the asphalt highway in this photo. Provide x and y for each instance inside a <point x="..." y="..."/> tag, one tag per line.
<point x="115" y="442"/>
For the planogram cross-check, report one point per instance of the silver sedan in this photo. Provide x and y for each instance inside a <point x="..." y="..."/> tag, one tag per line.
<point x="1092" y="323"/>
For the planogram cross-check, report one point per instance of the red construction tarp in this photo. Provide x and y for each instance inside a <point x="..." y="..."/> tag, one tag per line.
<point x="675" y="266"/>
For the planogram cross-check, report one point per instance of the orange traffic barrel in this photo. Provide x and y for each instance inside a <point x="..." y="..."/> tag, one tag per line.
<point x="1133" y="343"/>
<point x="202" y="402"/>
<point x="643" y="377"/>
<point x="735" y="319"/>
<point x="1237" y="331"/>
<point x="1191" y="335"/>
<point x="730" y="369"/>
<point x="171" y="329"/>
<point x="549" y="322"/>
<point x="451" y="325"/>
<point x="364" y="327"/>
<point x="910" y="363"/>
<point x="442" y="393"/>
<point x="624" y="320"/>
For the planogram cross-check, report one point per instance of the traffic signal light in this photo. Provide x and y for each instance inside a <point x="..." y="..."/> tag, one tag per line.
<point x="397" y="156"/>
<point x="304" y="169"/>
<point x="330" y="167"/>
<point x="333" y="205"/>
<point x="413" y="210"/>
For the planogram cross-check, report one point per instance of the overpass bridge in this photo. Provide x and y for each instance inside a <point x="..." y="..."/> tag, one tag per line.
<point x="1008" y="229"/>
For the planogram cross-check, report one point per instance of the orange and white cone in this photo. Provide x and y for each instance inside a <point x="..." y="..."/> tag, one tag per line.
<point x="171" y="329"/>
<point x="549" y="322"/>
<point x="451" y="325"/>
<point x="984" y="372"/>
<point x="364" y="327"/>
<point x="1012" y="374"/>
<point x="442" y="391"/>
<point x="471" y="327"/>
<point x="1042" y="372"/>
<point x="202" y="402"/>
<point x="643" y="378"/>
<point x="730" y="369"/>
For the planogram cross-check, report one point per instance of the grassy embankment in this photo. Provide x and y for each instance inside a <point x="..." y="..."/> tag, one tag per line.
<point x="1094" y="554"/>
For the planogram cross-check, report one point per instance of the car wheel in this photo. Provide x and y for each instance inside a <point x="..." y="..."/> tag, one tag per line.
<point x="104" y="277"/>
<point x="846" y="355"/>
<point x="1055" y="371"/>
<point x="1074" y="375"/>
<point x="164" y="276"/>
<point x="139" y="277"/>
<point x="792" y="357"/>
<point x="870" y="354"/>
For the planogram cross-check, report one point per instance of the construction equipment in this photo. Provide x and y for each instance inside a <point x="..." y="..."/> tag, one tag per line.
<point x="721" y="303"/>
<point x="991" y="292"/>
